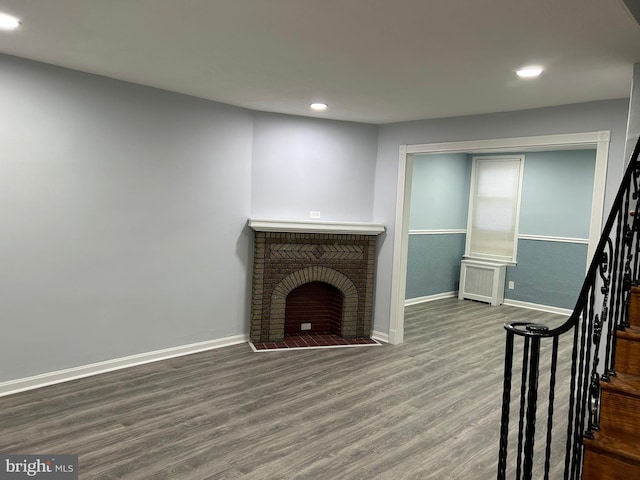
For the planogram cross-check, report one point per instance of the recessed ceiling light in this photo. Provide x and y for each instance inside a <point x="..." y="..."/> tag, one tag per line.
<point x="530" y="71"/>
<point x="8" y="22"/>
<point x="318" y="107"/>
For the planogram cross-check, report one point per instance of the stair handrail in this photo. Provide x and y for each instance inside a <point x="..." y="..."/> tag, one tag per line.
<point x="599" y="310"/>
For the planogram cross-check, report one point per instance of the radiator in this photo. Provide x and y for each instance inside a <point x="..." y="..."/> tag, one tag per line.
<point x="482" y="280"/>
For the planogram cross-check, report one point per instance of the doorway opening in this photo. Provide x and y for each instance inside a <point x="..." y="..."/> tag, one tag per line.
<point x="599" y="141"/>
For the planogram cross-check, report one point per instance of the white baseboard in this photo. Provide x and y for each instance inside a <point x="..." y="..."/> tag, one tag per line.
<point x="29" y="383"/>
<point x="381" y="336"/>
<point x="513" y="303"/>
<point x="535" y="306"/>
<point x="429" y="298"/>
<point x="396" y="336"/>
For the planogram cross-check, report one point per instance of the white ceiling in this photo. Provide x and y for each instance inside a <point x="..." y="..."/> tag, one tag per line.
<point x="373" y="61"/>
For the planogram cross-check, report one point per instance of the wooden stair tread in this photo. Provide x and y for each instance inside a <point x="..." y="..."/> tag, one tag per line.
<point x="614" y="452"/>
<point x="628" y="349"/>
<point x="630" y="333"/>
<point x="615" y="444"/>
<point x="625" y="383"/>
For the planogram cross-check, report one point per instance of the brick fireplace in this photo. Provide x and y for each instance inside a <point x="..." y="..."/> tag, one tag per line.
<point x="312" y="277"/>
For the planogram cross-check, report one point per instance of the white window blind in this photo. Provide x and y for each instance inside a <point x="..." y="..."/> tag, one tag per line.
<point x="494" y="206"/>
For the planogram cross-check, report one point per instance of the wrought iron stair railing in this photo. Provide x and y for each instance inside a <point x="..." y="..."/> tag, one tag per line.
<point x="530" y="450"/>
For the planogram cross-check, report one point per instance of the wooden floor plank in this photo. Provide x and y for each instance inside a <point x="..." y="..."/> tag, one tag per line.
<point x="426" y="409"/>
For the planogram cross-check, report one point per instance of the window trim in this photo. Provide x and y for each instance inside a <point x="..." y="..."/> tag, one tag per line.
<point x="512" y="260"/>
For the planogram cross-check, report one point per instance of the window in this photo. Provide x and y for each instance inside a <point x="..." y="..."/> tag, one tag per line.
<point x="494" y="205"/>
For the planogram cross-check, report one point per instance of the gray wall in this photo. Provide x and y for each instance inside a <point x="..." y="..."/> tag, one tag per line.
<point x="304" y="164"/>
<point x="586" y="117"/>
<point x="633" y="128"/>
<point x="122" y="212"/>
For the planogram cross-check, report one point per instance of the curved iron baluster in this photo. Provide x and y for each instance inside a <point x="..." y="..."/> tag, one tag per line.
<point x="594" y="387"/>
<point x="612" y="273"/>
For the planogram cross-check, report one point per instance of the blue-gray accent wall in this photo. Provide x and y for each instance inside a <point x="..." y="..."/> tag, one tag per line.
<point x="557" y="191"/>
<point x="439" y="201"/>
<point x="440" y="191"/>
<point x="548" y="273"/>
<point x="434" y="264"/>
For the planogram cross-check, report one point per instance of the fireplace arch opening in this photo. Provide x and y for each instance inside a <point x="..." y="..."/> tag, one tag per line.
<point x="314" y="307"/>
<point x="349" y="292"/>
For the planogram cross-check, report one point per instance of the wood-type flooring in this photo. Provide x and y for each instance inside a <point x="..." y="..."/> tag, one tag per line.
<point x="426" y="409"/>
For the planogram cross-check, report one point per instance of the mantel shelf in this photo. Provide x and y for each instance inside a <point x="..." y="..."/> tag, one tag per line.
<point x="295" y="226"/>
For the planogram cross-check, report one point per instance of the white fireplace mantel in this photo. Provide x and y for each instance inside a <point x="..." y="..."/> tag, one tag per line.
<point x="301" y="226"/>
